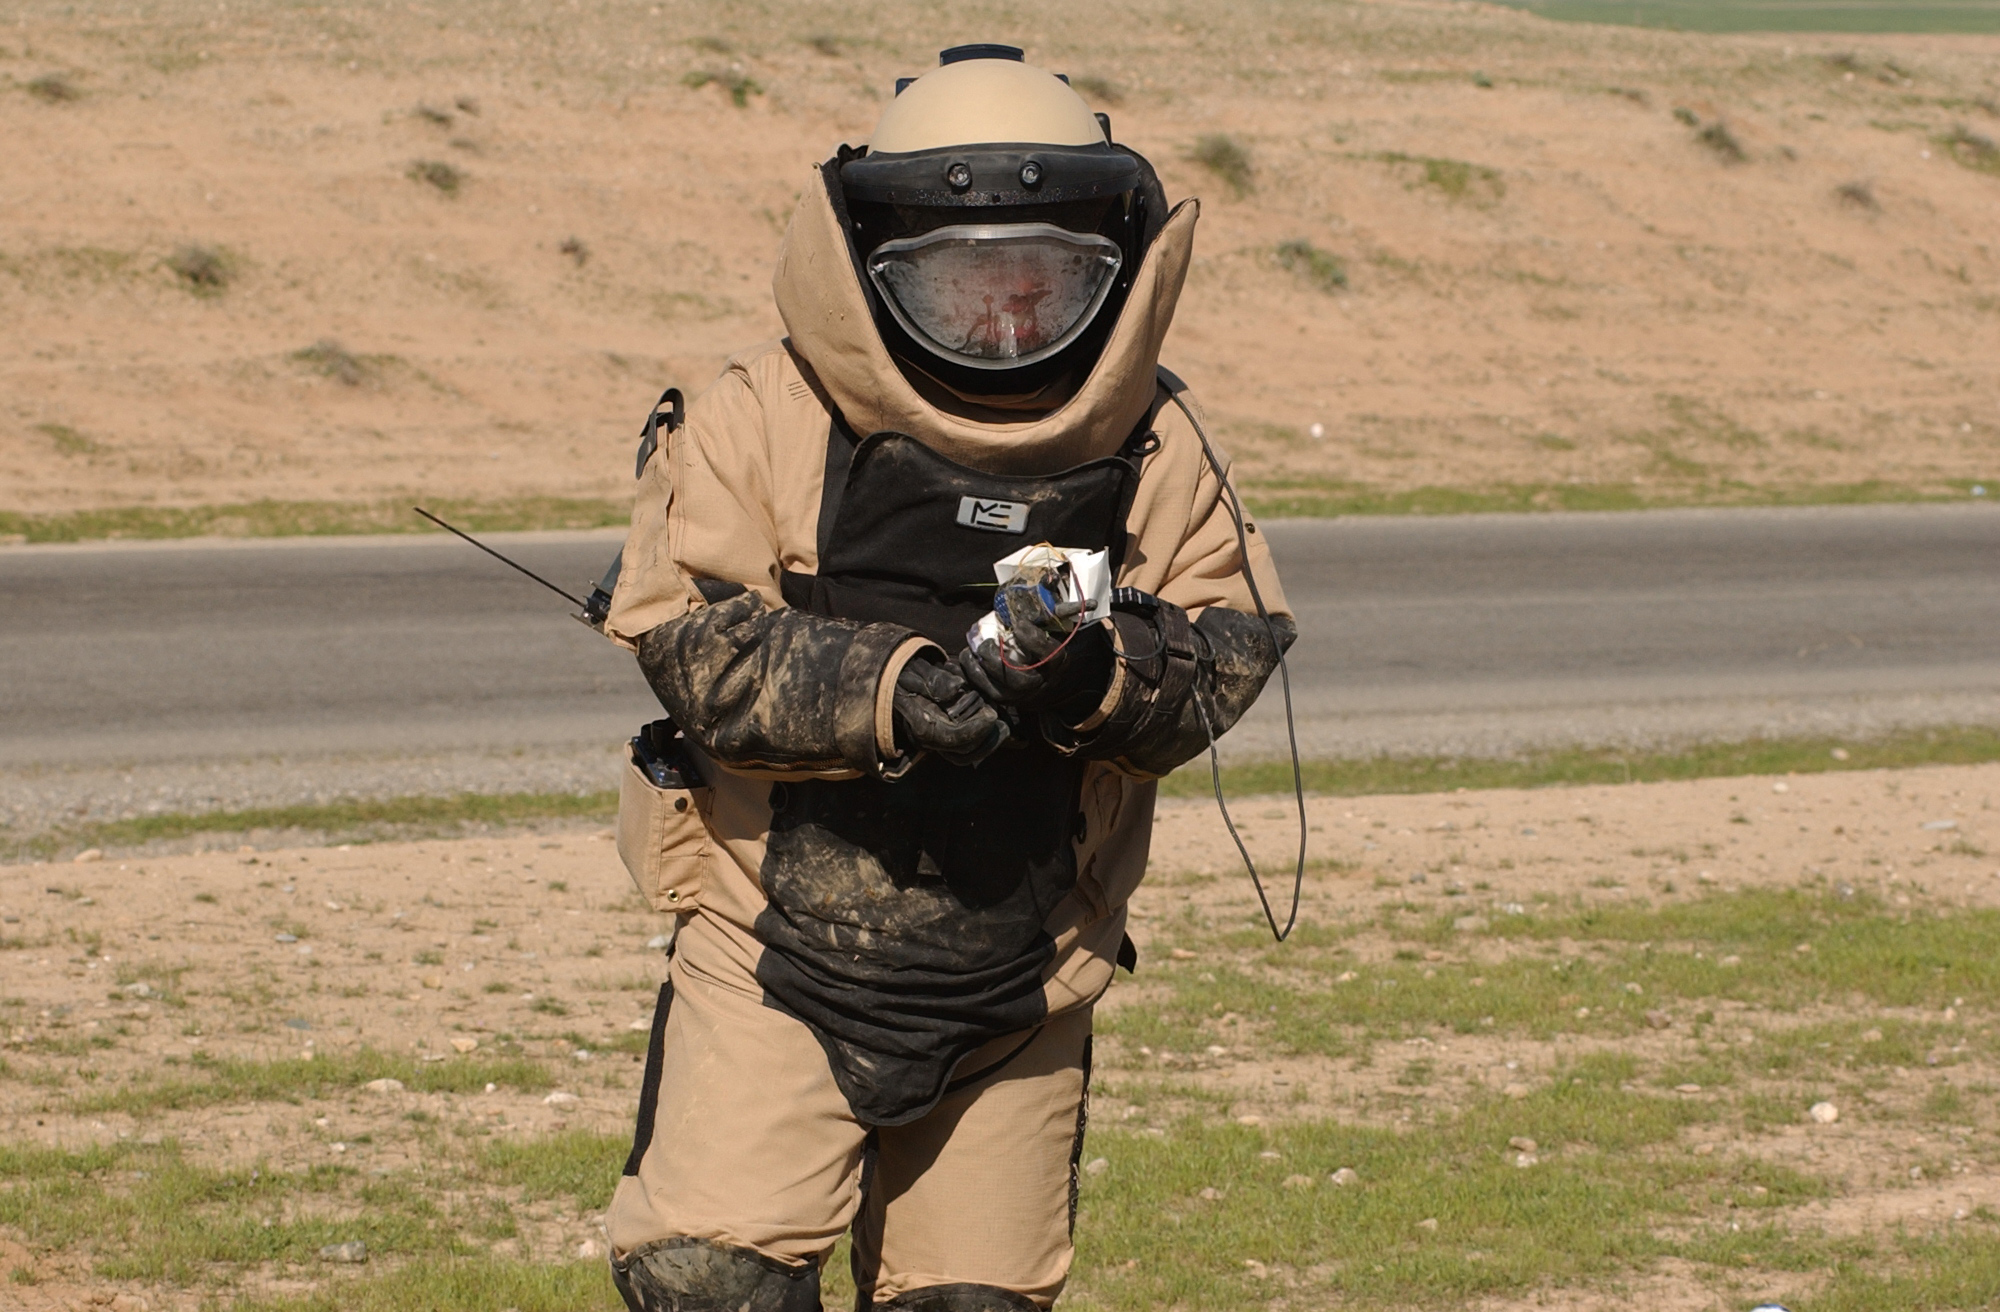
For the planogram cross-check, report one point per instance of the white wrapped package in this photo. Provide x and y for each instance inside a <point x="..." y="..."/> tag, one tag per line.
<point x="1088" y="581"/>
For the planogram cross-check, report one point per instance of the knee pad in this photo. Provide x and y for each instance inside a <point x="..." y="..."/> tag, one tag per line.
<point x="694" y="1275"/>
<point x="960" y="1298"/>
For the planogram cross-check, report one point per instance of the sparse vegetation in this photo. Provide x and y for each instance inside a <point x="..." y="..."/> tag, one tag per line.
<point x="1720" y="140"/>
<point x="576" y="250"/>
<point x="1857" y="195"/>
<point x="1101" y="89"/>
<point x="54" y="89"/>
<point x="1686" y="116"/>
<point x="1972" y="149"/>
<point x="332" y="360"/>
<point x="1323" y="269"/>
<point x="67" y="440"/>
<point x="825" y="43"/>
<point x="1228" y="159"/>
<point x="1455" y="178"/>
<point x="432" y="114"/>
<point x="437" y="173"/>
<point x="205" y="270"/>
<point x="740" y="85"/>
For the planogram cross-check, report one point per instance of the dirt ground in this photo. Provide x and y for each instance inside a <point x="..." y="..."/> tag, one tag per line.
<point x="1550" y="277"/>
<point x="535" y="947"/>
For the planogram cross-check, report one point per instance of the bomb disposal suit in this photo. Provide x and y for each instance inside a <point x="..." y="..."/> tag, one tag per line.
<point x="900" y="862"/>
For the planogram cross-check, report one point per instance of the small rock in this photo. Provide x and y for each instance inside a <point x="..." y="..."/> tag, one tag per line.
<point x="1345" y="977"/>
<point x="640" y="1024"/>
<point x="1316" y="431"/>
<point x="1731" y="960"/>
<point x="1521" y="1143"/>
<point x="1181" y="954"/>
<point x="1839" y="753"/>
<point x="1345" y="1176"/>
<point x="87" y="855"/>
<point x="1428" y="1223"/>
<point x="1871" y="1036"/>
<point x="353" y="1251"/>
<point x="560" y="1099"/>
<point x="464" y="1045"/>
<point x="1097" y="1166"/>
<point x="1515" y="1091"/>
<point x="581" y="1054"/>
<point x="1824" y="1113"/>
<point x="589" y="1249"/>
<point x="1268" y="1156"/>
<point x="1470" y="924"/>
<point x="1658" y="1020"/>
<point x="384" y="1085"/>
<point x="1803" y="949"/>
<point x="288" y="938"/>
<point x="432" y="981"/>
<point x="1216" y="1050"/>
<point x="1257" y="1270"/>
<point x="1634" y="988"/>
<point x="1938" y="826"/>
<point x="1781" y="787"/>
<point x="337" y="1147"/>
<point x="1705" y="877"/>
<point x="1298" y="1182"/>
<point x="1583" y="1013"/>
<point x="1916" y="1172"/>
<point x="1251" y="1119"/>
<point x="1210" y="1195"/>
<point x="492" y="1087"/>
<point x="660" y="942"/>
<point x="1687" y="1088"/>
<point x="140" y="990"/>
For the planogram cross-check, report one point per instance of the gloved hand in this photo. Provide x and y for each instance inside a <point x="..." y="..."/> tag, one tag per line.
<point x="936" y="712"/>
<point x="1059" y="661"/>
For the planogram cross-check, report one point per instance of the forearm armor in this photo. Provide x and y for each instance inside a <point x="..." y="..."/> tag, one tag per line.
<point x="1176" y="684"/>
<point x="762" y="689"/>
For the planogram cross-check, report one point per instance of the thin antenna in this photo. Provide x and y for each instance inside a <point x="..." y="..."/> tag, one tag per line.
<point x="573" y="600"/>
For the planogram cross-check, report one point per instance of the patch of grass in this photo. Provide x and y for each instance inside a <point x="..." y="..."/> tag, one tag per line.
<point x="283" y="519"/>
<point x="1440" y="1215"/>
<point x="361" y="818"/>
<point x="54" y="89"/>
<point x="1957" y="1269"/>
<point x="1316" y="498"/>
<point x="1103" y="90"/>
<point x="1968" y="745"/>
<point x="1228" y="159"/>
<point x="1857" y="195"/>
<point x="1774" y="15"/>
<point x="1323" y="269"/>
<point x="67" y="440"/>
<point x="233" y="1080"/>
<point x="740" y="85"/>
<point x="332" y="360"/>
<point x="579" y="1164"/>
<point x="206" y="270"/>
<point x="437" y="173"/>
<point x="1722" y="142"/>
<point x="1972" y="149"/>
<point x="1456" y="179"/>
<point x="460" y="1283"/>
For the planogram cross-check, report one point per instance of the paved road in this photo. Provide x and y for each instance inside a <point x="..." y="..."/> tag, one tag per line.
<point x="1474" y="633"/>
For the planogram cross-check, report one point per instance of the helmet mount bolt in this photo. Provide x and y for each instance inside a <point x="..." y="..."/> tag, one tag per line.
<point x="959" y="175"/>
<point x="1031" y="174"/>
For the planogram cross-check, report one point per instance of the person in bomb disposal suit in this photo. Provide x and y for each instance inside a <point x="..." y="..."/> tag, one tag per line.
<point x="900" y="862"/>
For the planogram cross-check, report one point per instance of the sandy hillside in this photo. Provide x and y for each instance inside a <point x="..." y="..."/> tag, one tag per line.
<point x="1550" y="278"/>
<point x="126" y="976"/>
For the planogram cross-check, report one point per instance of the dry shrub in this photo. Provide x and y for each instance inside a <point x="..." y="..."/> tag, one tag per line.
<point x="54" y="89"/>
<point x="332" y="360"/>
<point x="206" y="270"/>
<point x="1227" y="158"/>
<point x="1100" y="89"/>
<point x="445" y="177"/>
<point x="1857" y="195"/>
<point x="1718" y="138"/>
<point x="1323" y="269"/>
<point x="575" y="249"/>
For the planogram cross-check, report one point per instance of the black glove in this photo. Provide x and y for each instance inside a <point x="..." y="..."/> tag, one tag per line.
<point x="1059" y="661"/>
<point x="936" y="712"/>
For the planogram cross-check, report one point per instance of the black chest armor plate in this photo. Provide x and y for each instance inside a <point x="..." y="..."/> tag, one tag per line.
<point x="904" y="923"/>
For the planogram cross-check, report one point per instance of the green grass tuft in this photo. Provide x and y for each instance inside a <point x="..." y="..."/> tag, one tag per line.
<point x="283" y="519"/>
<point x="234" y="1080"/>
<point x="437" y="173"/>
<point x="1228" y="159"/>
<point x="1323" y="269"/>
<point x="205" y="270"/>
<point x="1968" y="745"/>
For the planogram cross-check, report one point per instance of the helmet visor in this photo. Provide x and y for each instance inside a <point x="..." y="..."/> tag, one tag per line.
<point x="995" y="296"/>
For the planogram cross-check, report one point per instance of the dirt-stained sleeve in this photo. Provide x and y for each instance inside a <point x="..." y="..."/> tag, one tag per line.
<point x="1207" y="567"/>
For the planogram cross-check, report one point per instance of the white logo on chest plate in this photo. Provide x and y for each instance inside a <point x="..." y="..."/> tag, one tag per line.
<point x="997" y="516"/>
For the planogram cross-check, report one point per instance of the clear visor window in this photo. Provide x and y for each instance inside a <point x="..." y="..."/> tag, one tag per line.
<point x="998" y="295"/>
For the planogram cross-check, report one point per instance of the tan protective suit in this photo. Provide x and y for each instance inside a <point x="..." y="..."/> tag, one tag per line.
<point x="751" y="1143"/>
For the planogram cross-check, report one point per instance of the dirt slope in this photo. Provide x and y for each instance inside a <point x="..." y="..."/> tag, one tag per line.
<point x="1549" y="277"/>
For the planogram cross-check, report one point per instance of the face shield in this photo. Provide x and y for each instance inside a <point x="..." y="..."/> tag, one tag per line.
<point x="995" y="296"/>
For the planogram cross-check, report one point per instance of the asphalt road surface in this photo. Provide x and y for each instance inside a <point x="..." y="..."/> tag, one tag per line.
<point x="1471" y="633"/>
